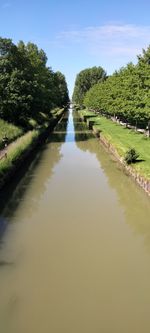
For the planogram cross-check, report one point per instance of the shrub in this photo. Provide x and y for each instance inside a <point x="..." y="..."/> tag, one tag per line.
<point x="131" y="156"/>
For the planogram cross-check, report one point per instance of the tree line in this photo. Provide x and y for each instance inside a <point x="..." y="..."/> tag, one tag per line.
<point x="27" y="86"/>
<point x="125" y="94"/>
<point x="85" y="80"/>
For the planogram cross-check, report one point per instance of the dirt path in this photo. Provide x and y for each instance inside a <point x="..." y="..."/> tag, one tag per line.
<point x="5" y="150"/>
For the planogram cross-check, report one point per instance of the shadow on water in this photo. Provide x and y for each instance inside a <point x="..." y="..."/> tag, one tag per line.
<point x="5" y="263"/>
<point x="12" y="195"/>
<point x="60" y="130"/>
<point x="132" y="198"/>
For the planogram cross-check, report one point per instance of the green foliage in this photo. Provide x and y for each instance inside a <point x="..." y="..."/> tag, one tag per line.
<point x="24" y="143"/>
<point x="16" y="152"/>
<point x="27" y="85"/>
<point x="85" y="80"/>
<point x="12" y="132"/>
<point x="61" y="91"/>
<point x="121" y="139"/>
<point x="125" y="94"/>
<point x="131" y="156"/>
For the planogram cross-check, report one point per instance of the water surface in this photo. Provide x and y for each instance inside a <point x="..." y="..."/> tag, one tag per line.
<point x="75" y="242"/>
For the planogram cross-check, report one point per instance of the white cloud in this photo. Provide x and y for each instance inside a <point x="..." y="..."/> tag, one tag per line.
<point x="109" y="39"/>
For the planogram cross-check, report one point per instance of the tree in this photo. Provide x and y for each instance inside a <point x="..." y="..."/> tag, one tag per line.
<point x="85" y="80"/>
<point x="62" y="94"/>
<point x="27" y="86"/>
<point x="125" y="94"/>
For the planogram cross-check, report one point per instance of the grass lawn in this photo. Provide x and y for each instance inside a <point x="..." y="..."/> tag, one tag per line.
<point x="11" y="131"/>
<point x="122" y="139"/>
<point x="16" y="150"/>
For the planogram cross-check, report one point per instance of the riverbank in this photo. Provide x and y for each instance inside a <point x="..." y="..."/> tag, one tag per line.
<point x="21" y="148"/>
<point x="118" y="140"/>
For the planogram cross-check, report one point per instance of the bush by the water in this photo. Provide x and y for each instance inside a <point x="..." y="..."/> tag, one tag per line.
<point x="131" y="156"/>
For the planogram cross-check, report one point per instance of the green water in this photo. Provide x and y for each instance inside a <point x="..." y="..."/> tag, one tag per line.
<point x="75" y="242"/>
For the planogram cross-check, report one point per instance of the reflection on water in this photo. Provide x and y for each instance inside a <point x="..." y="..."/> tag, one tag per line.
<point x="75" y="245"/>
<point x="15" y="193"/>
<point x="136" y="206"/>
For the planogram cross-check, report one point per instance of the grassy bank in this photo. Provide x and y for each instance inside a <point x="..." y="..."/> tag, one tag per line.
<point x="19" y="149"/>
<point x="11" y="131"/>
<point x="122" y="139"/>
<point x="16" y="151"/>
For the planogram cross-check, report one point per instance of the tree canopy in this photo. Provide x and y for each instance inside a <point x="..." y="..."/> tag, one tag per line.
<point x="27" y="85"/>
<point x="85" y="80"/>
<point x="125" y="94"/>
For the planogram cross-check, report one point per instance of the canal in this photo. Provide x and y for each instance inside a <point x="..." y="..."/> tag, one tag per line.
<point x="75" y="241"/>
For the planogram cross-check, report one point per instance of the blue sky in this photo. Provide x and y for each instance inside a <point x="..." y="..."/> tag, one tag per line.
<point x="76" y="34"/>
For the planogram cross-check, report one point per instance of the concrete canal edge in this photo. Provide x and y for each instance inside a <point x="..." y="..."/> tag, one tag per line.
<point x="139" y="179"/>
<point x="12" y="170"/>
